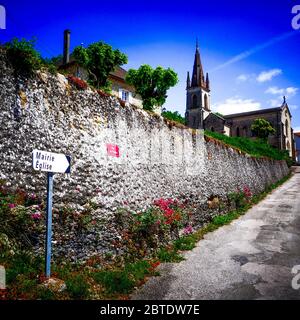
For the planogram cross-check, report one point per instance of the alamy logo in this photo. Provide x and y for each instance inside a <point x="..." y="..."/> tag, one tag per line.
<point x="2" y="18"/>
<point x="296" y="279"/>
<point x="296" y="19"/>
<point x="2" y="278"/>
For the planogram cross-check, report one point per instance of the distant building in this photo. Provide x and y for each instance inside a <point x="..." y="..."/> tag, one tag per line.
<point x="297" y="143"/>
<point x="120" y="88"/>
<point x="199" y="115"/>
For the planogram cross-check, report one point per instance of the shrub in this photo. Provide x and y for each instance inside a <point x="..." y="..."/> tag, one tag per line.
<point x="78" y="287"/>
<point x="173" y="116"/>
<point x="23" y="56"/>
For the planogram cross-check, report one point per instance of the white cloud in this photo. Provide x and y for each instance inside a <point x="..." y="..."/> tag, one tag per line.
<point x="268" y="75"/>
<point x="255" y="49"/>
<point x="296" y="129"/>
<point x="237" y="105"/>
<point x="280" y="92"/>
<point x="275" y="91"/>
<point x="291" y="91"/>
<point x="243" y="78"/>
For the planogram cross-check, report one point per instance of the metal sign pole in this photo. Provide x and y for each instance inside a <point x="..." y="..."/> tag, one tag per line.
<point x="49" y="223"/>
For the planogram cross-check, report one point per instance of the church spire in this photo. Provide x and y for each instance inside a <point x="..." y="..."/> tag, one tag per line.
<point x="207" y="82"/>
<point x="198" y="76"/>
<point x="188" y="81"/>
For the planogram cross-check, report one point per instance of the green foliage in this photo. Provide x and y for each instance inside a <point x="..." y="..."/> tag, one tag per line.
<point x="23" y="56"/>
<point x="185" y="243"/>
<point x="174" y="116"/>
<point x="152" y="84"/>
<point x="123" y="281"/>
<point x="169" y="255"/>
<point x="219" y="114"/>
<point x="78" y="287"/>
<point x="256" y="148"/>
<point x="262" y="128"/>
<point x="225" y="219"/>
<point x="99" y="59"/>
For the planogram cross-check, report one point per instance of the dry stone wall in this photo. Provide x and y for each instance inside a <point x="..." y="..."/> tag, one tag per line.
<point x="157" y="159"/>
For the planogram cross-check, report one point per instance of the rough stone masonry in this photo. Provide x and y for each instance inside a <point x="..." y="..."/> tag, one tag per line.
<point x="156" y="159"/>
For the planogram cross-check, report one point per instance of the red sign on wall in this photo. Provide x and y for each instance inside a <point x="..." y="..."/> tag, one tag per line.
<point x="113" y="150"/>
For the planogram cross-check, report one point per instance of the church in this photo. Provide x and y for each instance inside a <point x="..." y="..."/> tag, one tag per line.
<point x="199" y="115"/>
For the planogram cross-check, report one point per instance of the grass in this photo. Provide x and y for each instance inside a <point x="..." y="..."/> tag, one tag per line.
<point x="255" y="148"/>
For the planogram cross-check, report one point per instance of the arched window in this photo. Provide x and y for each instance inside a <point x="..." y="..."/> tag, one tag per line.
<point x="206" y="102"/>
<point x="288" y="146"/>
<point x="195" y="101"/>
<point x="286" y="128"/>
<point x="245" y="131"/>
<point x="238" y="132"/>
<point x="212" y="129"/>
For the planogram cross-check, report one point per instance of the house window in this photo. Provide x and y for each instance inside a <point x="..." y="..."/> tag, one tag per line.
<point x="125" y="96"/>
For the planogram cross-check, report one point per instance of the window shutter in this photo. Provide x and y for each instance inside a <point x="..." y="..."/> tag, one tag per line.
<point x="120" y="93"/>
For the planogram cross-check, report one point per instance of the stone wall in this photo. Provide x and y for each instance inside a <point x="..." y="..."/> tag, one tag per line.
<point x="157" y="159"/>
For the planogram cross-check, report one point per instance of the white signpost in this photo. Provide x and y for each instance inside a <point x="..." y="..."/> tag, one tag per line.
<point x="51" y="163"/>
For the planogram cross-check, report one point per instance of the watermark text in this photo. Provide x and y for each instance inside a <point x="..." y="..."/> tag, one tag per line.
<point x="296" y="279"/>
<point x="2" y="17"/>
<point x="296" y="19"/>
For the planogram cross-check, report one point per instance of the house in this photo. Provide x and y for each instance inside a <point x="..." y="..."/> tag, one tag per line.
<point x="120" y="88"/>
<point x="199" y="115"/>
<point x="297" y="148"/>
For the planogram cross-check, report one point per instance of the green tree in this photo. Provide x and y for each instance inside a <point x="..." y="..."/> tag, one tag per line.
<point x="152" y="84"/>
<point x="99" y="59"/>
<point x="262" y="128"/>
<point x="174" y="116"/>
<point x="23" y="56"/>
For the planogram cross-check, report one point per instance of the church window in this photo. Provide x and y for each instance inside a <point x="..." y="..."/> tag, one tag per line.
<point x="245" y="131"/>
<point x="238" y="132"/>
<point x="212" y="129"/>
<point x="286" y="128"/>
<point x="195" y="101"/>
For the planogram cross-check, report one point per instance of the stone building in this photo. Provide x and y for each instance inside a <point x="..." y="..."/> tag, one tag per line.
<point x="199" y="115"/>
<point x="198" y="111"/>
<point x="280" y="118"/>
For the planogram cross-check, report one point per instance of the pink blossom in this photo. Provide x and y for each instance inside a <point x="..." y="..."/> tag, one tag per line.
<point x="12" y="205"/>
<point x="188" y="230"/>
<point x="36" y="216"/>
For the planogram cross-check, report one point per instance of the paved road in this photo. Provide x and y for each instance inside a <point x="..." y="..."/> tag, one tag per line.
<point x="250" y="259"/>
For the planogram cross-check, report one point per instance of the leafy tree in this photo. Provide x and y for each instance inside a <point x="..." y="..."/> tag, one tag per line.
<point x="174" y="116"/>
<point x="262" y="128"/>
<point x="99" y="59"/>
<point x="23" y="56"/>
<point x="152" y="84"/>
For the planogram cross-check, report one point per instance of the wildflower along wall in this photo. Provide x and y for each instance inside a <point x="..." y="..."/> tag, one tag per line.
<point x="121" y="157"/>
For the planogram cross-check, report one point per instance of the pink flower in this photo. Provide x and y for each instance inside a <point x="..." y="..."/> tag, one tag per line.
<point x="36" y="216"/>
<point x="12" y="205"/>
<point x="188" y="230"/>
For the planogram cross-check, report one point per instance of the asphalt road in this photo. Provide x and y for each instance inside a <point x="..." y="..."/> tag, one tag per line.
<point x="250" y="259"/>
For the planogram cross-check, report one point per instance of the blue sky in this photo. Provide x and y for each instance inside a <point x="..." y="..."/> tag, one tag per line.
<point x="249" y="48"/>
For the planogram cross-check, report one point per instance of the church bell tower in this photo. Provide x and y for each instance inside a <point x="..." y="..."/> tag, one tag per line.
<point x="197" y="95"/>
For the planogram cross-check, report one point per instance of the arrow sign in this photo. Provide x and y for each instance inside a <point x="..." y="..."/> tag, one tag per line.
<point x="51" y="162"/>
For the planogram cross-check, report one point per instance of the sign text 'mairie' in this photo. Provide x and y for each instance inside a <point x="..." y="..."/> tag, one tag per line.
<point x="50" y="162"/>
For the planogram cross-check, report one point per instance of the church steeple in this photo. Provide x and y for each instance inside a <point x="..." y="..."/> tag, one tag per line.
<point x="197" y="94"/>
<point x="198" y="79"/>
